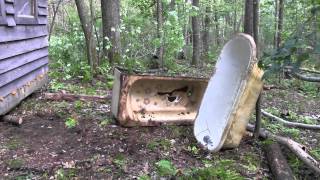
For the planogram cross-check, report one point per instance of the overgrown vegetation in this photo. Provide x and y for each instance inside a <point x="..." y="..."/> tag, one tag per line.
<point x="151" y="153"/>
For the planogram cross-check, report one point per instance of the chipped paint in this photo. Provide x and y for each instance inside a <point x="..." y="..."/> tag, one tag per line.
<point x="150" y="100"/>
<point x="10" y="101"/>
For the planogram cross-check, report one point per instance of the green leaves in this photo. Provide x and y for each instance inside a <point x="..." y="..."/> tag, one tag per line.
<point x="71" y="122"/>
<point x="165" y="168"/>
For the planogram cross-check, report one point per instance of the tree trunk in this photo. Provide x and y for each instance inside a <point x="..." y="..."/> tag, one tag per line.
<point x="55" y="11"/>
<point x="251" y="27"/>
<point x="280" y="23"/>
<point x="172" y="5"/>
<point x="235" y="17"/>
<point x="276" y="23"/>
<point x="83" y="11"/>
<point x="94" y="30"/>
<point x="256" y="39"/>
<point x="248" y="17"/>
<point x="205" y="37"/>
<point x="196" y="36"/>
<point x="256" y="24"/>
<point x="111" y="30"/>
<point x="183" y="53"/>
<point x="217" y="30"/>
<point x="160" y="50"/>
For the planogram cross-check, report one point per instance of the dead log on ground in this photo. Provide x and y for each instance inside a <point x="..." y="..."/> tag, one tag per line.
<point x="298" y="149"/>
<point x="74" y="97"/>
<point x="310" y="71"/>
<point x="277" y="162"/>
<point x="15" y="120"/>
<point x="290" y="124"/>
<point x="304" y="77"/>
<point x="290" y="68"/>
<point x="298" y="75"/>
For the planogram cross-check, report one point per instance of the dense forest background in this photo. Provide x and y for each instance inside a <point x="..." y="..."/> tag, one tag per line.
<point x="69" y="132"/>
<point x="174" y="34"/>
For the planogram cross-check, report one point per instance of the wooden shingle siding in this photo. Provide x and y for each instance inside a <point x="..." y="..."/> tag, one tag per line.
<point x="14" y="48"/>
<point x="22" y="32"/>
<point x="12" y="75"/>
<point x="24" y="80"/>
<point x="23" y="50"/>
<point x="9" y="13"/>
<point x="17" y="61"/>
<point x="2" y="13"/>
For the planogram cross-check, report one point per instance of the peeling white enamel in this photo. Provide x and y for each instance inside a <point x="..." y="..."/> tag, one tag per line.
<point x="223" y="92"/>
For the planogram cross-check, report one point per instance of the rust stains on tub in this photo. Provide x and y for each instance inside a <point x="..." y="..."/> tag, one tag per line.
<point x="151" y="100"/>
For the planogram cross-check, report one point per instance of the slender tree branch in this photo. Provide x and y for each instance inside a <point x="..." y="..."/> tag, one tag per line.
<point x="296" y="74"/>
<point x="304" y="77"/>
<point x="309" y="71"/>
<point x="290" y="124"/>
<point x="55" y="11"/>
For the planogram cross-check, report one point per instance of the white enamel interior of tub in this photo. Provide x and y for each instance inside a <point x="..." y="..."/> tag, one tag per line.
<point x="222" y="93"/>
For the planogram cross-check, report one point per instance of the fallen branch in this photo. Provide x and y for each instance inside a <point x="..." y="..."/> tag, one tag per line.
<point x="309" y="71"/>
<point x="74" y="97"/>
<point x="12" y="120"/>
<point x="305" y="78"/>
<point x="277" y="162"/>
<point x="290" y="124"/>
<point x="298" y="149"/>
<point x="294" y="73"/>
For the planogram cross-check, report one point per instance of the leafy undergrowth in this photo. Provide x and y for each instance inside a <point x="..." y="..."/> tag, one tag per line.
<point x="80" y="140"/>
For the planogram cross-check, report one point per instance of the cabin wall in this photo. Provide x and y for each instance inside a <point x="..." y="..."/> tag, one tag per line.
<point x="23" y="50"/>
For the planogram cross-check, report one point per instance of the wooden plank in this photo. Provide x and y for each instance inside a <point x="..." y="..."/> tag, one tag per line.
<point x="20" y="60"/>
<point x="10" y="21"/>
<point x="9" y="10"/>
<point x="42" y="3"/>
<point x="20" y="47"/>
<point x="42" y="20"/>
<point x="21" y="32"/>
<point x="12" y="100"/>
<point x="2" y="13"/>
<point x="21" y="71"/>
<point x="42" y="11"/>
<point x="11" y="87"/>
<point x="1" y="8"/>
<point x="21" y="20"/>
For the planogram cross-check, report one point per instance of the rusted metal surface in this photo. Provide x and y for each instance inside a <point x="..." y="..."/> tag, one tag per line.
<point x="149" y="100"/>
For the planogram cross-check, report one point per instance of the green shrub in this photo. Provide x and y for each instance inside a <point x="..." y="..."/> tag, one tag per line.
<point x="71" y="123"/>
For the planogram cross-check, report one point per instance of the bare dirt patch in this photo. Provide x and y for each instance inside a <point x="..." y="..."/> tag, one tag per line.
<point x="97" y="148"/>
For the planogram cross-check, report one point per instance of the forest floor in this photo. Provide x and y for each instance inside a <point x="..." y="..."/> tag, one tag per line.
<point x="97" y="148"/>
